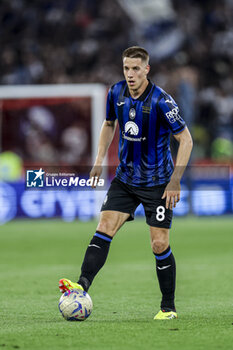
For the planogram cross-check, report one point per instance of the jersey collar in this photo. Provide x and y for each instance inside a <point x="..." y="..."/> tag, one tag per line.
<point x="143" y="95"/>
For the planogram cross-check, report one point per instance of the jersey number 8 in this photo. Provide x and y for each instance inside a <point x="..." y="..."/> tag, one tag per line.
<point x="160" y="213"/>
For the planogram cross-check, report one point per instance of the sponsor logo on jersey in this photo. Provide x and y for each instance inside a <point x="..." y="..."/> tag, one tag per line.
<point x="131" y="128"/>
<point x="173" y="115"/>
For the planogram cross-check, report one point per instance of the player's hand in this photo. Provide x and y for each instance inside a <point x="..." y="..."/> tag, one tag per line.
<point x="95" y="172"/>
<point x="172" y="194"/>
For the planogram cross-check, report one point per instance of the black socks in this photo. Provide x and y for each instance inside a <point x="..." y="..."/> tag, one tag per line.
<point x="95" y="257"/>
<point x="166" y="272"/>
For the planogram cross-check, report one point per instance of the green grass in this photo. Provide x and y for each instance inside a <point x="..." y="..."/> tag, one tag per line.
<point x="34" y="255"/>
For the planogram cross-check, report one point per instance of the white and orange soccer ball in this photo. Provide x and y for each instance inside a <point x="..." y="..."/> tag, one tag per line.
<point x="75" y="305"/>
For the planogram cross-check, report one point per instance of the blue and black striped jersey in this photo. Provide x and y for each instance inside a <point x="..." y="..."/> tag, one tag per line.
<point x="145" y="125"/>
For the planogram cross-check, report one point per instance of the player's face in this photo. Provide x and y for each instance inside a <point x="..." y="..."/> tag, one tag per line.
<point x="135" y="72"/>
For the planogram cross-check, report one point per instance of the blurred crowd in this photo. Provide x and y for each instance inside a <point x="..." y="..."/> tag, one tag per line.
<point x="81" y="41"/>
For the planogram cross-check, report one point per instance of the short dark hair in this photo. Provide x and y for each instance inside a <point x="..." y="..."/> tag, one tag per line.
<point x="136" y="52"/>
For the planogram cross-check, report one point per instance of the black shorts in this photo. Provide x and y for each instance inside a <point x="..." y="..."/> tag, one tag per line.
<point x="125" y="198"/>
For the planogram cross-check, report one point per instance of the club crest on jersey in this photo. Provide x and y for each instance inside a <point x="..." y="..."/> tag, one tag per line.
<point x="131" y="128"/>
<point x="132" y="113"/>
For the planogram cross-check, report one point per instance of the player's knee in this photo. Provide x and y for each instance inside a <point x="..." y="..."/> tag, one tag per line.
<point x="105" y="225"/>
<point x="159" y="239"/>
<point x="158" y="245"/>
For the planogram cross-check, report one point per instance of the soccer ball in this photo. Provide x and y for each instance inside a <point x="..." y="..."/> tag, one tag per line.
<point x="75" y="305"/>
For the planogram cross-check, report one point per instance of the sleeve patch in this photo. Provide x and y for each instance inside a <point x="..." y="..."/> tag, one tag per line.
<point x="173" y="115"/>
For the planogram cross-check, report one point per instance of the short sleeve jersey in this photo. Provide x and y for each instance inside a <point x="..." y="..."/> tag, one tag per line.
<point x="145" y="125"/>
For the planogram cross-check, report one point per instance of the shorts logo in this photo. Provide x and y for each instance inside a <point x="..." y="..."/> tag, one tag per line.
<point x="173" y="115"/>
<point x="105" y="200"/>
<point x="35" y="178"/>
<point x="131" y="128"/>
<point x="132" y="113"/>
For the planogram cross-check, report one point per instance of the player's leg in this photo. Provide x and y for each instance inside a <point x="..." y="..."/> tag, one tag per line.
<point x="97" y="251"/>
<point x="117" y="207"/>
<point x="159" y="219"/>
<point x="166" y="271"/>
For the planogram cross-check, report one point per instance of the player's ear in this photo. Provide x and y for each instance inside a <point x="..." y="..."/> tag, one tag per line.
<point x="147" y="68"/>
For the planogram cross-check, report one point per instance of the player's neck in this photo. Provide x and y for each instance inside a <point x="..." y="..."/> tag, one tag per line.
<point x="138" y="92"/>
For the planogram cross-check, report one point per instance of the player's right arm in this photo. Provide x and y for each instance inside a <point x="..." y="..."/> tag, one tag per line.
<point x="106" y="135"/>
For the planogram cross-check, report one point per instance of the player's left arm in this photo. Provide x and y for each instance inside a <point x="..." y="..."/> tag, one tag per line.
<point x="172" y="190"/>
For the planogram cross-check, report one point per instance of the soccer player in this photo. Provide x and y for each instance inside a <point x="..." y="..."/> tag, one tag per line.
<point x="146" y="116"/>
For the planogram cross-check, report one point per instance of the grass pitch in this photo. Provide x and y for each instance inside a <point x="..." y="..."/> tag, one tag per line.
<point x="34" y="255"/>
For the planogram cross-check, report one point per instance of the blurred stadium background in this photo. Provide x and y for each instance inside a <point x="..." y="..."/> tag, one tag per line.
<point x="50" y="116"/>
<point x="58" y="59"/>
